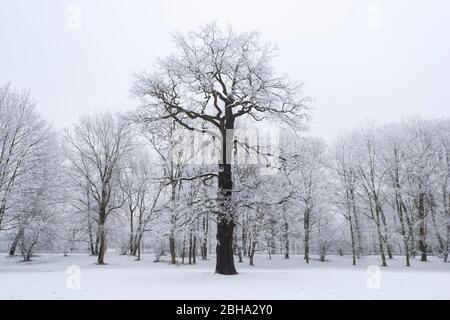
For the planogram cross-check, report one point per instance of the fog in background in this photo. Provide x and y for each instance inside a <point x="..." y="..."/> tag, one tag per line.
<point x="358" y="59"/>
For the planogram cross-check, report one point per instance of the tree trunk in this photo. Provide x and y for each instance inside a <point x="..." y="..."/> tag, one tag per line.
<point x="352" y="236"/>
<point x="412" y="241"/>
<point x="138" y="251"/>
<point x="386" y="234"/>
<point x="422" y="228"/>
<point x="91" y="242"/>
<point x="224" y="250"/>
<point x="269" y="249"/>
<point x="360" y="250"/>
<point x="252" y="252"/>
<point x="97" y="241"/>
<point x="131" y="244"/>
<point x="12" y="249"/>
<point x="240" y="254"/>
<point x="173" y="228"/>
<point x="447" y="244"/>
<point x="102" y="236"/>
<point x="306" y="227"/>
<point x="190" y="249"/>
<point x="194" y="250"/>
<point x="380" y="244"/>
<point x="225" y="221"/>
<point x="183" y="254"/>
<point x="204" y="247"/>
<point x="286" y="240"/>
<point x="172" y="250"/>
<point x="322" y="257"/>
<point x="137" y="242"/>
<point x="400" y="210"/>
<point x="244" y="237"/>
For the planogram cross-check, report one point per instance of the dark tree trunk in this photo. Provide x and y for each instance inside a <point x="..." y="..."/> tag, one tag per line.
<point x="244" y="237"/>
<point x="190" y="249"/>
<point x="286" y="240"/>
<point x="131" y="244"/>
<point x="306" y="227"/>
<point x="225" y="224"/>
<point x="352" y="236"/>
<point x="91" y="244"/>
<point x="422" y="227"/>
<point x="137" y="243"/>
<point x="386" y="234"/>
<point x="97" y="242"/>
<point x="252" y="252"/>
<point x="183" y="254"/>
<point x="224" y="250"/>
<point x="172" y="250"/>
<point x="102" y="236"/>
<point x="138" y="251"/>
<point x="441" y="242"/>
<point x="12" y="249"/>
<point x="447" y="244"/>
<point x="204" y="247"/>
<point x="194" y="250"/>
<point x="400" y="211"/>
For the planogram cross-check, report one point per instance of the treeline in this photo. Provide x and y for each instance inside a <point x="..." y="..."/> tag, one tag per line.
<point x="112" y="181"/>
<point x="214" y="160"/>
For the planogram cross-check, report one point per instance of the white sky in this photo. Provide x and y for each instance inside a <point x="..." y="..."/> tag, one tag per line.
<point x="359" y="59"/>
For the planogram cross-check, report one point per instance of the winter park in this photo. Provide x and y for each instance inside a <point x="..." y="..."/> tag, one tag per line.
<point x="299" y="153"/>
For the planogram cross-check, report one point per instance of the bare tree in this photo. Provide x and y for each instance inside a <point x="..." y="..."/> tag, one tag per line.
<point x="23" y="138"/>
<point x="94" y="148"/>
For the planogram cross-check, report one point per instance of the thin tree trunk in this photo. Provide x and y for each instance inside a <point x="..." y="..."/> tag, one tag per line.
<point x="446" y="251"/>
<point x="244" y="237"/>
<point x="306" y="227"/>
<point x="400" y="211"/>
<point x="131" y="245"/>
<point x="286" y="240"/>
<point x="89" y="216"/>
<point x="386" y="234"/>
<point x="204" y="248"/>
<point x="102" y="236"/>
<point x="422" y="228"/>
<point x="183" y="254"/>
<point x="352" y="236"/>
<point x="360" y="250"/>
<point x="380" y="235"/>
<point x="252" y="252"/>
<point x="190" y="249"/>
<point x="194" y="250"/>
<point x="172" y="250"/>
<point x="12" y="249"/>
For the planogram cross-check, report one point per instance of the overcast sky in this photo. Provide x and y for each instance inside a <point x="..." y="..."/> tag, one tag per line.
<point x="359" y="59"/>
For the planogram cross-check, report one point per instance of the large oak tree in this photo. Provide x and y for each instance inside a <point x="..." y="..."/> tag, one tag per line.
<point x="214" y="77"/>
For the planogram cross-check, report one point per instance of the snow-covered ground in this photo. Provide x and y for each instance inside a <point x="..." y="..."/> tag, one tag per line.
<point x="50" y="276"/>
